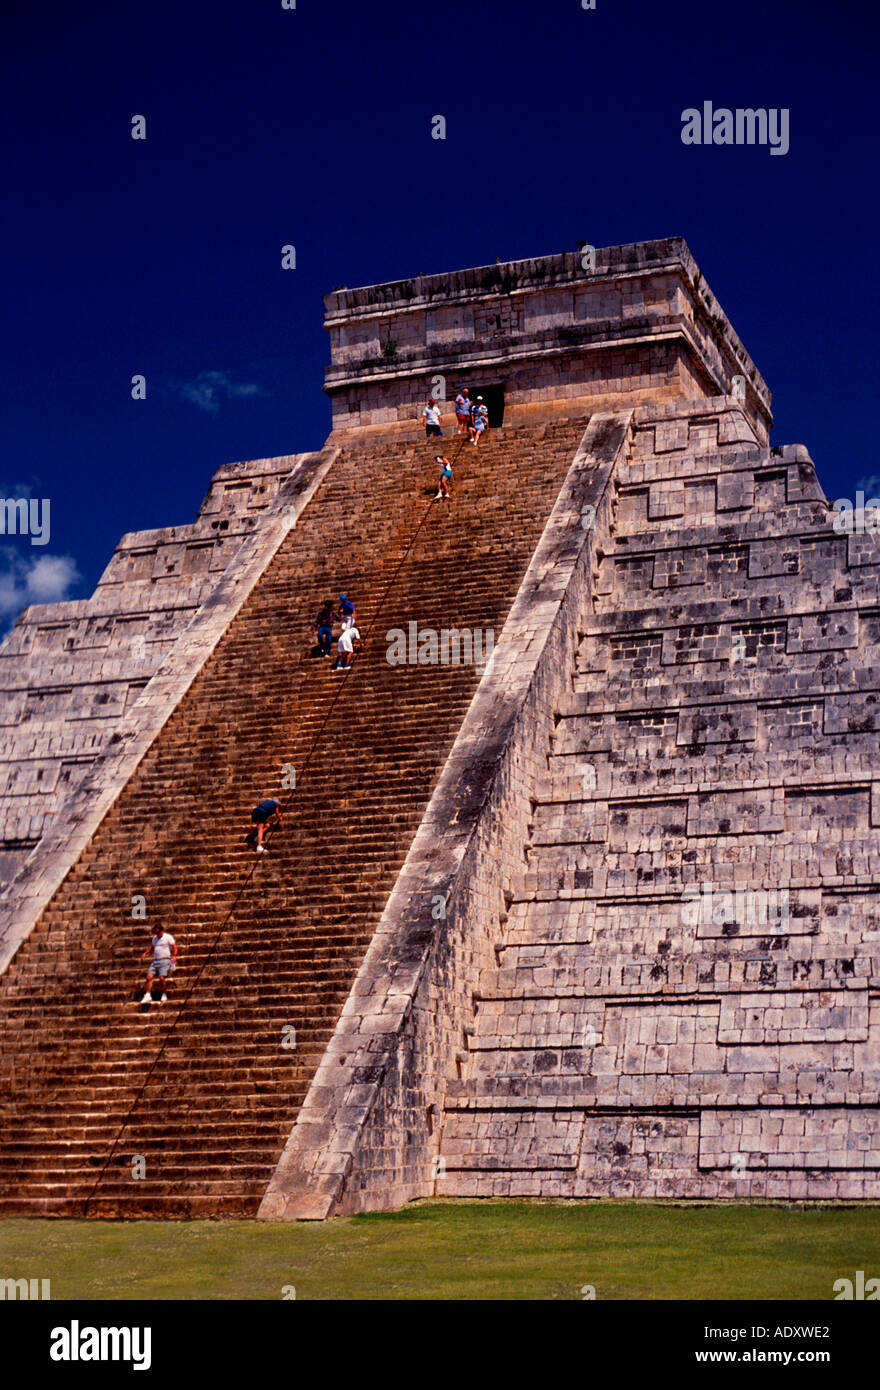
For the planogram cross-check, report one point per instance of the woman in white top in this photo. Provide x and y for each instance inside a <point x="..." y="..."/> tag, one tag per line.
<point x="431" y="415"/>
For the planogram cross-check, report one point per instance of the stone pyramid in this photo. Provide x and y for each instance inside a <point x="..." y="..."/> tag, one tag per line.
<point x="596" y="915"/>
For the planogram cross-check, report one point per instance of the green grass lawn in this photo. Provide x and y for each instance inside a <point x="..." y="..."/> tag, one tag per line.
<point x="459" y="1250"/>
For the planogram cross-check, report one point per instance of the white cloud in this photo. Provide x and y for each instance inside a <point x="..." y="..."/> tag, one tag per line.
<point x="17" y="490"/>
<point x="48" y="579"/>
<point x="210" y="389"/>
<point x="869" y="485"/>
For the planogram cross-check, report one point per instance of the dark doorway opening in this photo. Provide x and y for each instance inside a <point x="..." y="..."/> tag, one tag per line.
<point x="493" y="400"/>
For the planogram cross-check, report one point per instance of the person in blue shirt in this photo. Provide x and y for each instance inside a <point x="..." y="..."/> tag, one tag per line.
<point x="265" y="816"/>
<point x="463" y="411"/>
<point x="346" y="612"/>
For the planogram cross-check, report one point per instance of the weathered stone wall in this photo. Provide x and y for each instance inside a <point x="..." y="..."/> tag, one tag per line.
<point x="687" y="997"/>
<point x="70" y="672"/>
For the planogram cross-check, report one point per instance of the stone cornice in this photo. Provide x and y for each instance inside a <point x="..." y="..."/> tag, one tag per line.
<point x="707" y="336"/>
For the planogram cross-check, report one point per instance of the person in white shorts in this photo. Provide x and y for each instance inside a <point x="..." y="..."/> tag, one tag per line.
<point x="163" y="949"/>
<point x="479" y="421"/>
<point x="346" y="611"/>
<point x="349" y="640"/>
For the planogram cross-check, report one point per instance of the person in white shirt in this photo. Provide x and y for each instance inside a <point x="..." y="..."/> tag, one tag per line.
<point x="163" y="949"/>
<point x="431" y="414"/>
<point x="349" y="642"/>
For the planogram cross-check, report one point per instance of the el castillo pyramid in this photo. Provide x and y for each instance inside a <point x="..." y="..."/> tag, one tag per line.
<point x="598" y="917"/>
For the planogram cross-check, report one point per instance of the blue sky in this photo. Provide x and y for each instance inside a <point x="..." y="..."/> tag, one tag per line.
<point x="311" y="127"/>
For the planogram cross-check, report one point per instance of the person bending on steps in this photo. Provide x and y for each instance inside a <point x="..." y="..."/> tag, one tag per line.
<point x="163" y="949"/>
<point x="445" y="478"/>
<point x="349" y="642"/>
<point x="265" y="816"/>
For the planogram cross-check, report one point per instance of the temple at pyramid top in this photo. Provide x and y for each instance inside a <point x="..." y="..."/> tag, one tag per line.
<point x="626" y="325"/>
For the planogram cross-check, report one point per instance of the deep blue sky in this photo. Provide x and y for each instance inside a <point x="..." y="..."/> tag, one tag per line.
<point x="312" y="127"/>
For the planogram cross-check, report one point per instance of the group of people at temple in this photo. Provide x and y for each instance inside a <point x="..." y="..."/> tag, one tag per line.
<point x="471" y="417"/>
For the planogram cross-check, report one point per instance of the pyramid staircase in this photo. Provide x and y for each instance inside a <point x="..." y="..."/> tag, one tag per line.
<point x="113" y="1110"/>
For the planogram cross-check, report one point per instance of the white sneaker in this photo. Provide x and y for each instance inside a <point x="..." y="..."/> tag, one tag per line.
<point x="261" y="849"/>
<point x="147" y="999"/>
<point x="164" y="999"/>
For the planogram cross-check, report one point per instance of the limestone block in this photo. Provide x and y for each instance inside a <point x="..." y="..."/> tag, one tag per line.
<point x="821" y="632"/>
